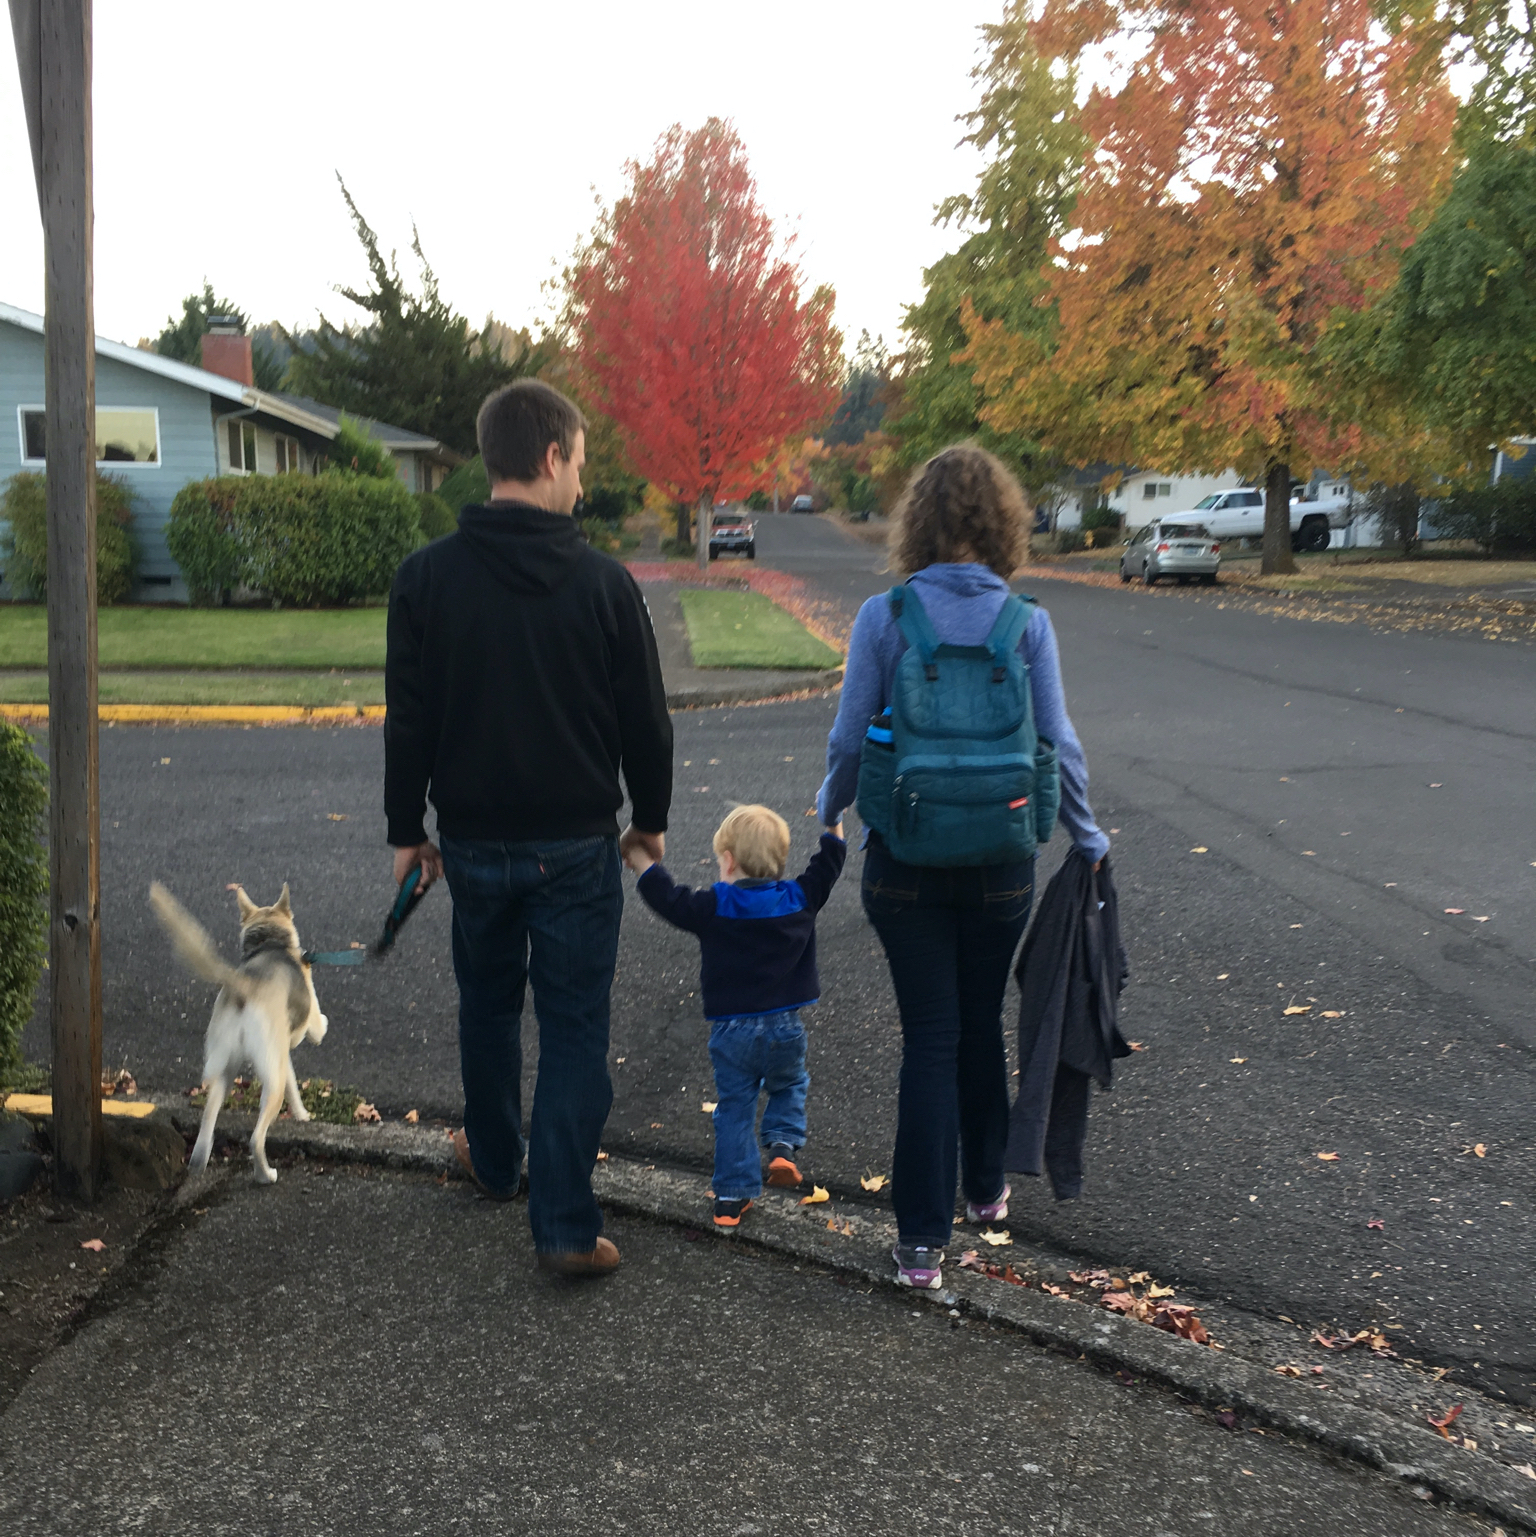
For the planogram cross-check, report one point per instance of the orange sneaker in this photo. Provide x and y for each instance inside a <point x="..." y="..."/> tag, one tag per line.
<point x="783" y="1171"/>
<point x="730" y="1213"/>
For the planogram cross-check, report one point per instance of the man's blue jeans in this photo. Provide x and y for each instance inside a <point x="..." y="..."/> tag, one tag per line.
<point x="546" y="913"/>
<point x="754" y="1054"/>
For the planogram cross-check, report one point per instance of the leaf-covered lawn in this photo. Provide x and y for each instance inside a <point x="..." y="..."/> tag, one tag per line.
<point x="154" y="636"/>
<point x="745" y="629"/>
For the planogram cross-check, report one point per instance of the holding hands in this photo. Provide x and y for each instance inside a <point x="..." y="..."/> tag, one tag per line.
<point x="640" y="850"/>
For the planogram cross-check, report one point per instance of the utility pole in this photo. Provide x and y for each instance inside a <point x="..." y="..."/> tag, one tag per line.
<point x="53" y="53"/>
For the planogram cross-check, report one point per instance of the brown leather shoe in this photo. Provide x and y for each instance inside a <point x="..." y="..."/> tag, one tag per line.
<point x="601" y="1261"/>
<point x="460" y="1140"/>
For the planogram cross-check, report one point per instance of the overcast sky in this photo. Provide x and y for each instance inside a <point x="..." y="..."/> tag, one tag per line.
<point x="219" y="131"/>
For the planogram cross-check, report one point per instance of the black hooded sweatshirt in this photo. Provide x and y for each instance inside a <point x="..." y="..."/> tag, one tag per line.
<point x="521" y="680"/>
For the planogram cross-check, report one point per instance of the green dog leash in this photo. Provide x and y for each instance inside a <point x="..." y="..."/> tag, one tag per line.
<point x="406" y="903"/>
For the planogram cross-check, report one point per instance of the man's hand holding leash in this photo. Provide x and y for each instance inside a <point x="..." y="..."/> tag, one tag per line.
<point x="424" y="855"/>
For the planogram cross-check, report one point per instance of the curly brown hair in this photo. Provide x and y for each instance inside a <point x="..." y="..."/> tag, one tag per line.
<point x="963" y="504"/>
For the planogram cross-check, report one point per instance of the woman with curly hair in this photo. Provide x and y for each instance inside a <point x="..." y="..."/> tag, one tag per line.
<point x="949" y="933"/>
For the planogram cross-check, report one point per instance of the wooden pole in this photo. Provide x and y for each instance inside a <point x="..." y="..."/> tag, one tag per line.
<point x="54" y="39"/>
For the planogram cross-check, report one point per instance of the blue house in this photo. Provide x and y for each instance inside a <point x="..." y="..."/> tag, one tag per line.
<point x="160" y="423"/>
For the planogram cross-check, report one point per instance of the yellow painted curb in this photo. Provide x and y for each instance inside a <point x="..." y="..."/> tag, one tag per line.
<point x="212" y="714"/>
<point x="42" y="1104"/>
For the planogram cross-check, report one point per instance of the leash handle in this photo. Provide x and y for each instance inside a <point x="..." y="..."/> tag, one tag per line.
<point x="406" y="902"/>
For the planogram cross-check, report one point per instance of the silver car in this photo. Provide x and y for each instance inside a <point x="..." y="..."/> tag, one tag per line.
<point x="1165" y="548"/>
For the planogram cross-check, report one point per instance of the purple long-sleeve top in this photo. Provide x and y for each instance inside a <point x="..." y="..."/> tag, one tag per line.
<point x="962" y="601"/>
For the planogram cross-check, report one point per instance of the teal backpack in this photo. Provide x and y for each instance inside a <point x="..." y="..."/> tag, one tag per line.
<point x="953" y="772"/>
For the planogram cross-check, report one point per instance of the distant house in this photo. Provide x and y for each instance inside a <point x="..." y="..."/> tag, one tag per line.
<point x="160" y="423"/>
<point x="1137" y="495"/>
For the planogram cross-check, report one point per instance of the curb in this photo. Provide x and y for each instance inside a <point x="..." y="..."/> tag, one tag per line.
<point x="214" y="714"/>
<point x="857" y="1243"/>
<point x="787" y="687"/>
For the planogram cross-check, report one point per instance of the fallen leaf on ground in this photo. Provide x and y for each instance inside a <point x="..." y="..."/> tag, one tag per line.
<point x="1328" y="1157"/>
<point x="995" y="1238"/>
<point x="1310" y="853"/>
<point x="708" y="1107"/>
<point x="846" y="1228"/>
<point x="1297" y="1008"/>
<point x="1239" y="1060"/>
<point x="1455" y="909"/>
<point x="1480" y="920"/>
<point x="1089" y="1277"/>
<point x="1199" y="848"/>
<point x="819" y="1193"/>
<point x="1333" y="1014"/>
<point x="1442" y="1424"/>
<point x="1289" y="1371"/>
<point x="971" y="1260"/>
<point x="336" y="816"/>
<point x="1140" y="1278"/>
<point x="95" y="1245"/>
<point x="366" y="1112"/>
<point x="1480" y="1149"/>
<point x="873" y="1181"/>
<point x="411" y="1117"/>
<point x="601" y="1157"/>
<point x="1155" y="1291"/>
<point x="656" y="1125"/>
<point x="1135" y="1045"/>
<point x="1376" y="1223"/>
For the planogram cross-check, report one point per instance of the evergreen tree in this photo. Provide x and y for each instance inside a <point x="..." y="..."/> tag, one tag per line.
<point x="414" y="362"/>
<point x="183" y="339"/>
<point x="862" y="407"/>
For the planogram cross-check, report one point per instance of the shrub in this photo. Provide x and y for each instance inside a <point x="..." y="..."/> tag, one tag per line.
<point x="1100" y="516"/>
<point x="1500" y="519"/>
<point x="23" y="889"/>
<point x="307" y="541"/>
<point x="611" y="538"/>
<point x="435" y="515"/>
<point x="354" y="451"/>
<point x="25" y="506"/>
<point x="467" y="486"/>
<point x="1395" y="511"/>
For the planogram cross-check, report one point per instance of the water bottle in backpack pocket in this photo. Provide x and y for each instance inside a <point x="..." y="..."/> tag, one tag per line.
<point x="953" y="773"/>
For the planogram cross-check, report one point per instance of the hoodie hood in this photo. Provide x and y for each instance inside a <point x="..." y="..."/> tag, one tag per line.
<point x="959" y="579"/>
<point x="527" y="549"/>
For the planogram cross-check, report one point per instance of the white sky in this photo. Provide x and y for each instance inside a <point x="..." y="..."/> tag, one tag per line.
<point x="219" y="129"/>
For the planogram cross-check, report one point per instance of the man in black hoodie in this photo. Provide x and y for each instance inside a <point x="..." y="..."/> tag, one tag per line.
<point x="522" y="680"/>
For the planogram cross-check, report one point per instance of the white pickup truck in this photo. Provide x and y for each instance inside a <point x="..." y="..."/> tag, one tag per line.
<point x="1239" y="514"/>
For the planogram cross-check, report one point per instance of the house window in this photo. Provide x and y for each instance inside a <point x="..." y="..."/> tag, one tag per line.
<point x="1155" y="488"/>
<point x="124" y="435"/>
<point x="242" y="448"/>
<point x="288" y="459"/>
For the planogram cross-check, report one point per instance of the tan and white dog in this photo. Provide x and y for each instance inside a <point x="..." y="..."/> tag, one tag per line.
<point x="266" y="1006"/>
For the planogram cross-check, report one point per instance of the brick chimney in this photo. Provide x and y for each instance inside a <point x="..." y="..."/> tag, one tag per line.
<point x="226" y="352"/>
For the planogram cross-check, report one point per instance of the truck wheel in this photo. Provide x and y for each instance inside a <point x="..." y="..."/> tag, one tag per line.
<point x="751" y="552"/>
<point x="1314" y="534"/>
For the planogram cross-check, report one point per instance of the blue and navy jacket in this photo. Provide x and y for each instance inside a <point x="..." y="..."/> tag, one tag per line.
<point x="758" y="938"/>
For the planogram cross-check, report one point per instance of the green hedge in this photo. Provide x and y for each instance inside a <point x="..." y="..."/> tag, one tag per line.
<point x="25" y="507"/>
<point x="435" y="515"/>
<point x="1500" y="519"/>
<point x="306" y="541"/>
<point x="23" y="889"/>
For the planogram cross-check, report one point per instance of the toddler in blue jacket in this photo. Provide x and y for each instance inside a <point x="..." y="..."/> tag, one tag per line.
<point x="757" y="937"/>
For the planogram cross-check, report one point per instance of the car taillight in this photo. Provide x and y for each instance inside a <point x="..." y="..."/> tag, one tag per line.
<point x="1216" y="548"/>
<point x="1163" y="549"/>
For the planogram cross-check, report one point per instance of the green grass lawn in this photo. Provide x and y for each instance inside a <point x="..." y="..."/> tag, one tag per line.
<point x="745" y="629"/>
<point x="230" y="687"/>
<point x="152" y="636"/>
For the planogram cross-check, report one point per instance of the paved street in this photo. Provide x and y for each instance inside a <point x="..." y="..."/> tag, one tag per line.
<point x="291" y="1370"/>
<point x="1316" y="763"/>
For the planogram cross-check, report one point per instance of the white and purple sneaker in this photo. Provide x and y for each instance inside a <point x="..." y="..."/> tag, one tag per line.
<point x="991" y="1211"/>
<point x="918" y="1267"/>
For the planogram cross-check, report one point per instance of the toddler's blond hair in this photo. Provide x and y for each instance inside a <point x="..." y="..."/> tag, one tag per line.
<point x="758" y="837"/>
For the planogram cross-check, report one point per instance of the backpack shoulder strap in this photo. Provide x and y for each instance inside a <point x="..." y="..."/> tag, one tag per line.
<point x="1012" y="620"/>
<point x="916" y="627"/>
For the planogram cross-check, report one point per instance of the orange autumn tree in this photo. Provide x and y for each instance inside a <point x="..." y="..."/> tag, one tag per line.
<point x="1262" y="165"/>
<point x="692" y="334"/>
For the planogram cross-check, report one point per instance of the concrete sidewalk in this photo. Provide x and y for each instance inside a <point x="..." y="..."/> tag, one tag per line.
<point x="359" y="1349"/>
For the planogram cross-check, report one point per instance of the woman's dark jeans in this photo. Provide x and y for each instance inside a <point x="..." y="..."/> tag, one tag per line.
<point x="949" y="938"/>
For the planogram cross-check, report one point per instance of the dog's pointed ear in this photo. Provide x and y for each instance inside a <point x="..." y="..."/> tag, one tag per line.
<point x="247" y="907"/>
<point x="283" y="905"/>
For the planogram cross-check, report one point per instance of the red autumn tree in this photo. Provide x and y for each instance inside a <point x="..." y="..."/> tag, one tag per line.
<point x="1261" y="168"/>
<point x="690" y="328"/>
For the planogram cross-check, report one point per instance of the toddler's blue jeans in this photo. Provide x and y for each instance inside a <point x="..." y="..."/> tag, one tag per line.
<point x="753" y="1054"/>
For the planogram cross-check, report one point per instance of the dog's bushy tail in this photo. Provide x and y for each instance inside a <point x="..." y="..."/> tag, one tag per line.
<point x="193" y="947"/>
